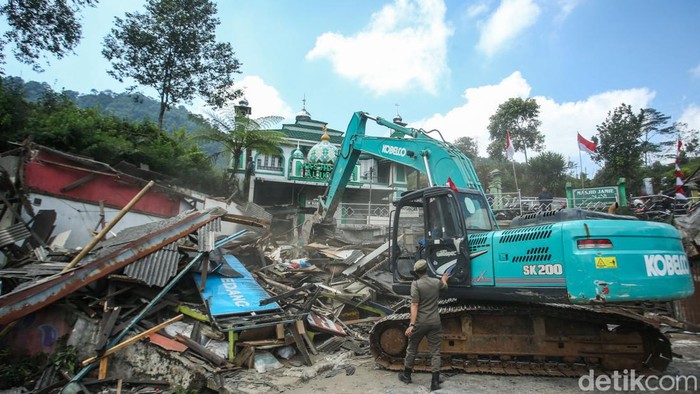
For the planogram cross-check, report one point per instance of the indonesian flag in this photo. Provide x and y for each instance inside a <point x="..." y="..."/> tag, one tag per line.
<point x="679" y="174"/>
<point x="510" y="151"/>
<point x="585" y="145"/>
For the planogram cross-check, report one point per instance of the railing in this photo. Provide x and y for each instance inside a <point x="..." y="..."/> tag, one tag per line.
<point x="660" y="207"/>
<point x="510" y="205"/>
<point x="363" y="214"/>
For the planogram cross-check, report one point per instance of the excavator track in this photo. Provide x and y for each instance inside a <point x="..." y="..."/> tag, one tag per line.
<point x="529" y="339"/>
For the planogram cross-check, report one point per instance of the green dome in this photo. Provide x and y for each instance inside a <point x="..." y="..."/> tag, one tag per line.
<point x="324" y="152"/>
<point x="297" y="154"/>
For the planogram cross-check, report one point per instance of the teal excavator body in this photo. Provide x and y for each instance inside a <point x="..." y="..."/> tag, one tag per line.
<point x="570" y="255"/>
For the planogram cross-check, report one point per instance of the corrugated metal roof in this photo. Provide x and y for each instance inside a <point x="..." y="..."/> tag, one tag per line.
<point x="15" y="233"/>
<point x="206" y="235"/>
<point x="256" y="211"/>
<point x="130" y="245"/>
<point x="156" y="268"/>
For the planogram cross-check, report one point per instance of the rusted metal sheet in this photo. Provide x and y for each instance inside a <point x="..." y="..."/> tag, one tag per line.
<point x="156" y="268"/>
<point x="118" y="253"/>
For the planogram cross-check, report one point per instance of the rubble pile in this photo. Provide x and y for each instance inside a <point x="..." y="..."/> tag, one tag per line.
<point x="181" y="303"/>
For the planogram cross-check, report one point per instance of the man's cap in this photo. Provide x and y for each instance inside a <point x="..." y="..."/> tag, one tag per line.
<point x="420" y="265"/>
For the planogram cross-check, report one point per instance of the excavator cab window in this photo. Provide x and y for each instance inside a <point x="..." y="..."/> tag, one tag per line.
<point x="408" y="233"/>
<point x="476" y="213"/>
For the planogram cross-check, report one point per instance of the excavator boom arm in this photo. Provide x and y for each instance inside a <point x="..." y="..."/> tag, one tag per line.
<point x="438" y="160"/>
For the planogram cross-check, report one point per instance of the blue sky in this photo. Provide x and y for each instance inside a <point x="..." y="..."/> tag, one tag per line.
<point x="447" y="64"/>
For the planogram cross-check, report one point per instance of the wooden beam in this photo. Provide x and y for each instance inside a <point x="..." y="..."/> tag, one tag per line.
<point x="111" y="224"/>
<point x="300" y="344"/>
<point x="87" y="178"/>
<point x="134" y="339"/>
<point x="201" y="350"/>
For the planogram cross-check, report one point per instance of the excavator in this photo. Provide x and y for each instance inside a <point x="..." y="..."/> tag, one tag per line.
<point x="543" y="298"/>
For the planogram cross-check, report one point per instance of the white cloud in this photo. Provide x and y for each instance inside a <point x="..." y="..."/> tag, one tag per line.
<point x="403" y="47"/>
<point x="565" y="8"/>
<point x="476" y="10"/>
<point x="472" y="118"/>
<point x="264" y="99"/>
<point x="508" y="21"/>
<point x="560" y="121"/>
<point x="691" y="116"/>
<point x="695" y="71"/>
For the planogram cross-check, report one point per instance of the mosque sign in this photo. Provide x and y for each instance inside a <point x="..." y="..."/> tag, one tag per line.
<point x="595" y="195"/>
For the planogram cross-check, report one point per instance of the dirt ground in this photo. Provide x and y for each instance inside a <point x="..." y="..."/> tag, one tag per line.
<point x="343" y="373"/>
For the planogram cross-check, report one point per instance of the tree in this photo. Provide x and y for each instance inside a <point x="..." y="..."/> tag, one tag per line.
<point x="620" y="147"/>
<point x="519" y="117"/>
<point x="237" y="134"/>
<point x="548" y="169"/>
<point x="655" y="127"/>
<point x="468" y="146"/>
<point x="172" y="49"/>
<point x="42" y="26"/>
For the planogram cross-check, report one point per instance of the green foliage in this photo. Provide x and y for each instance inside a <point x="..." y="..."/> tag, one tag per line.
<point x="66" y="358"/>
<point x="14" y="111"/>
<point x="55" y="121"/>
<point x="629" y="142"/>
<point x="236" y="134"/>
<point x="520" y="118"/>
<point x="548" y="169"/>
<point x="172" y="48"/>
<point x="42" y="26"/>
<point x="468" y="146"/>
<point x="656" y="133"/>
<point x="16" y="370"/>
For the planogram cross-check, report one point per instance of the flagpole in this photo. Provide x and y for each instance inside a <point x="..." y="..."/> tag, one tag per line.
<point x="580" y="168"/>
<point x="515" y="176"/>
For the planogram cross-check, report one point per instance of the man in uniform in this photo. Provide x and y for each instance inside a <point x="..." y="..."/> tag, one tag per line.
<point x="425" y="321"/>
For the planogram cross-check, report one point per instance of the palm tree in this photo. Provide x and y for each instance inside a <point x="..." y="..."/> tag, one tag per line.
<point x="235" y="134"/>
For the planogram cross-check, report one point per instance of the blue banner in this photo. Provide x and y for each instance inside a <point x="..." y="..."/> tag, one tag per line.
<point x="234" y="296"/>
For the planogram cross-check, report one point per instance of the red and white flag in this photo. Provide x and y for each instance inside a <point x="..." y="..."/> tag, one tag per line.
<point x="679" y="174"/>
<point x="585" y="145"/>
<point x="510" y="151"/>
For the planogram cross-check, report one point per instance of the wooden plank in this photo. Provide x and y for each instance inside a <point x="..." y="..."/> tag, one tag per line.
<point x="279" y="331"/>
<point x="373" y="255"/>
<point x="167" y="343"/>
<point x="242" y="356"/>
<point x="300" y="344"/>
<point x="102" y="373"/>
<point x="204" y="270"/>
<point x="77" y="183"/>
<point x="302" y="330"/>
<point x="201" y="350"/>
<point x="109" y="319"/>
<point x="133" y="339"/>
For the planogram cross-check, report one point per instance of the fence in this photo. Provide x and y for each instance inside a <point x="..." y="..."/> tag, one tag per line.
<point x="363" y="214"/>
<point x="660" y="207"/>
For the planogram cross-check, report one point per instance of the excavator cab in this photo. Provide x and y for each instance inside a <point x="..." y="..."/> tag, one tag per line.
<point x="433" y="224"/>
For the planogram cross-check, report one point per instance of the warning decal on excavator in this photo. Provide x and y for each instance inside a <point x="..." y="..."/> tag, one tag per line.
<point x="605" y="262"/>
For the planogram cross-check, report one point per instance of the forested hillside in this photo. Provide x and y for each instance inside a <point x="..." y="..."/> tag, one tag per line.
<point x="115" y="128"/>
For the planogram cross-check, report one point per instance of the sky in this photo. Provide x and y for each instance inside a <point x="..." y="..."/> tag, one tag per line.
<point x="440" y="64"/>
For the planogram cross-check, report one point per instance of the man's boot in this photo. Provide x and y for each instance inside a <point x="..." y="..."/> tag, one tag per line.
<point x="435" y="384"/>
<point x="405" y="376"/>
